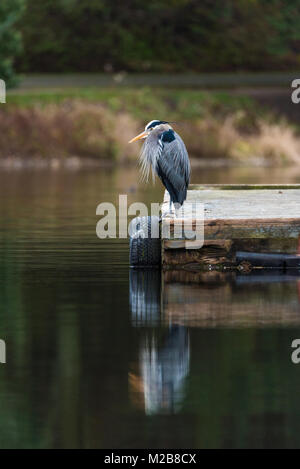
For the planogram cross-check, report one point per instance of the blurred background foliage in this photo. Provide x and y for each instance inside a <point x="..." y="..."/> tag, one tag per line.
<point x="10" y="37"/>
<point x="159" y="36"/>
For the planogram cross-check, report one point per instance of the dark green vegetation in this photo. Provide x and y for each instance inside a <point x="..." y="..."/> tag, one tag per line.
<point x="144" y="102"/>
<point x="160" y="35"/>
<point x="10" y="38"/>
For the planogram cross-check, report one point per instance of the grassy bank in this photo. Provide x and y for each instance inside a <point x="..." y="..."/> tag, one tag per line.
<point x="97" y="124"/>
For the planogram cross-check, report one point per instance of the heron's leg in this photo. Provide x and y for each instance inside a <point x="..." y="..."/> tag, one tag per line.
<point x="171" y="213"/>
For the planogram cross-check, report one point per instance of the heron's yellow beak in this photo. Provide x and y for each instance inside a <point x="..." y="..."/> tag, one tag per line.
<point x="138" y="137"/>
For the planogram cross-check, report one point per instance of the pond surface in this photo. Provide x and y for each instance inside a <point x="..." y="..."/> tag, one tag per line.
<point x="99" y="356"/>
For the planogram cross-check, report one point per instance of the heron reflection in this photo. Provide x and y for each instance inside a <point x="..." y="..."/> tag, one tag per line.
<point x="158" y="382"/>
<point x="164" y="370"/>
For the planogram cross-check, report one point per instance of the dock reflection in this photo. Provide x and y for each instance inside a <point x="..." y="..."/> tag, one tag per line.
<point x="264" y="298"/>
<point x="165" y="306"/>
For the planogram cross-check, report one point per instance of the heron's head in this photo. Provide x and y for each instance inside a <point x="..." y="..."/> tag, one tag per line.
<point x="155" y="125"/>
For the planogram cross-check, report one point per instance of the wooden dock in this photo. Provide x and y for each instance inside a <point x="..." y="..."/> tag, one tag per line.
<point x="238" y="219"/>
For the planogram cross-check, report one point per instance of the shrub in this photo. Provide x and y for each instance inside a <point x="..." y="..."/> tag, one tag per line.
<point x="10" y="38"/>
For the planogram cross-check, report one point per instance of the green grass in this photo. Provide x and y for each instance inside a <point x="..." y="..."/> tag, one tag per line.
<point x="143" y="103"/>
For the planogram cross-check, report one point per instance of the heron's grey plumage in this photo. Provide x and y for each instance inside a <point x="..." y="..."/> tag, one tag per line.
<point x="168" y="158"/>
<point x="150" y="154"/>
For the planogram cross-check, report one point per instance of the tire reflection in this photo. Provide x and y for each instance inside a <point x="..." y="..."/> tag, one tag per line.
<point x="145" y="297"/>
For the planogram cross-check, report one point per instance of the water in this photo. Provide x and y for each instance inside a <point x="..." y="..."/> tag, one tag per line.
<point x="100" y="357"/>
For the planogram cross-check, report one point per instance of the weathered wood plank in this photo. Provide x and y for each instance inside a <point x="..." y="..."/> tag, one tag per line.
<point x="265" y="245"/>
<point x="243" y="204"/>
<point x="208" y="255"/>
<point x="254" y="228"/>
<point x="249" y="218"/>
<point x="238" y="229"/>
<point x="243" y="213"/>
<point x="226" y="187"/>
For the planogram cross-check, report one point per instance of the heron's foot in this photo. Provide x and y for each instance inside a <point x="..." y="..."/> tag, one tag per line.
<point x="170" y="215"/>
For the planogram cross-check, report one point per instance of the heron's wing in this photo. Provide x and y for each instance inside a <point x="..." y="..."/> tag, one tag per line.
<point x="173" y="165"/>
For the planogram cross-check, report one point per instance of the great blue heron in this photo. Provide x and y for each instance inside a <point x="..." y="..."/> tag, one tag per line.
<point x="164" y="153"/>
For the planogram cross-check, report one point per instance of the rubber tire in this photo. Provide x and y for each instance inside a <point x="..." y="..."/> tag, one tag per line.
<point x="145" y="250"/>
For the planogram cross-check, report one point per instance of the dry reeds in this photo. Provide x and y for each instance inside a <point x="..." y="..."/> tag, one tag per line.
<point x="69" y="129"/>
<point x="83" y="129"/>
